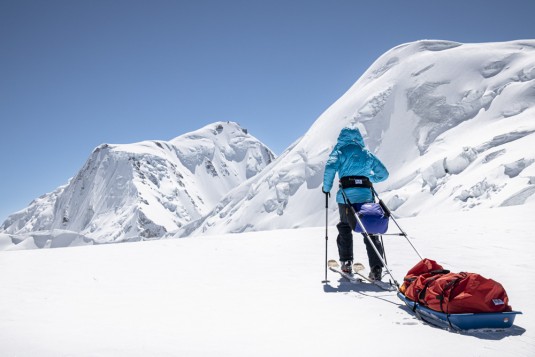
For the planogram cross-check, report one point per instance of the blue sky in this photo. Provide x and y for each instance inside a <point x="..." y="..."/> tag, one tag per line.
<point x="75" y="74"/>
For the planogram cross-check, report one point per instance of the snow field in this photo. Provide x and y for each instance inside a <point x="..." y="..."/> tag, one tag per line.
<point x="257" y="294"/>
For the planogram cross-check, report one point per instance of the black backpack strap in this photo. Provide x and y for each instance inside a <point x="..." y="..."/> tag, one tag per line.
<point x="439" y="271"/>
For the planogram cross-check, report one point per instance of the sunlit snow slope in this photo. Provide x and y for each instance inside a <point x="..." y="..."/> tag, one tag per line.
<point x="454" y="123"/>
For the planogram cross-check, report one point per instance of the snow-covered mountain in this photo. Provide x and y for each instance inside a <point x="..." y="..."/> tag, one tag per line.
<point x="142" y="190"/>
<point x="454" y="123"/>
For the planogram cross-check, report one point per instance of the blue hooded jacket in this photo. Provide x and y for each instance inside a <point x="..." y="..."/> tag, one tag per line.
<point x="351" y="158"/>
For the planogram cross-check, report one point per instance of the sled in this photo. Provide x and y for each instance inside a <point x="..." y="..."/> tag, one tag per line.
<point x="461" y="322"/>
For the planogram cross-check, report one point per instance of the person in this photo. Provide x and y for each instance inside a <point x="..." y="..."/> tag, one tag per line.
<point x="350" y="157"/>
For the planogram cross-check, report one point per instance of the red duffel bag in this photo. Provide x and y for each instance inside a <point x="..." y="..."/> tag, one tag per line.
<point x="416" y="278"/>
<point x="456" y="293"/>
<point x="430" y="285"/>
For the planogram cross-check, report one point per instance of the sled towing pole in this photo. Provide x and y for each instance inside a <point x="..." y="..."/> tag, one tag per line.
<point x="387" y="211"/>
<point x="367" y="235"/>
<point x="325" y="281"/>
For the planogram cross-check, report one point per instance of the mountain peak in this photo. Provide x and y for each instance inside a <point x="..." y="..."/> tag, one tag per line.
<point x="452" y="122"/>
<point x="146" y="189"/>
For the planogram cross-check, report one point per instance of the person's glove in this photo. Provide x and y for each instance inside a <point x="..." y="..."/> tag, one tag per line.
<point x="327" y="193"/>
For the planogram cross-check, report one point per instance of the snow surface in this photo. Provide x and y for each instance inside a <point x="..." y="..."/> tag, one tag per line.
<point x="259" y="294"/>
<point x="454" y="124"/>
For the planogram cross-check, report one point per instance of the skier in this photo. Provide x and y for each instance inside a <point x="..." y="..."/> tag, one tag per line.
<point x="351" y="158"/>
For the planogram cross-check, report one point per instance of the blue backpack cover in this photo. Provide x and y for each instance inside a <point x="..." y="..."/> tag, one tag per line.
<point x="372" y="217"/>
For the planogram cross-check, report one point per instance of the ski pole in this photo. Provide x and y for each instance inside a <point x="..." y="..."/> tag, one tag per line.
<point x="325" y="281"/>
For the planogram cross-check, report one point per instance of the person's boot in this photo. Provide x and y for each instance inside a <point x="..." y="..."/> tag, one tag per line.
<point x="376" y="273"/>
<point x="347" y="266"/>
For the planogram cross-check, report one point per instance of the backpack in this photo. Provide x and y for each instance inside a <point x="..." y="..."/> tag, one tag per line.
<point x="372" y="216"/>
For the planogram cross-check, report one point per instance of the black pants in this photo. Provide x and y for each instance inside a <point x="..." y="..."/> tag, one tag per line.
<point x="345" y="238"/>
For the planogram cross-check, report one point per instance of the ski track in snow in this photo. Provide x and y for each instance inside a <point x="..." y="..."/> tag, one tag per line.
<point x="257" y="294"/>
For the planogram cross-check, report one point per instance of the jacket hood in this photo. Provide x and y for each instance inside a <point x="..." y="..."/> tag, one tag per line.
<point x="350" y="136"/>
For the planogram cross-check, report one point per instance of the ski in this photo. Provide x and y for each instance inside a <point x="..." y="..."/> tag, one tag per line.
<point x="381" y="284"/>
<point x="357" y="276"/>
<point x="334" y="266"/>
<point x="358" y="267"/>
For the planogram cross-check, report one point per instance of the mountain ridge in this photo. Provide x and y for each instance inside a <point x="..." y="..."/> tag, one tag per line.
<point x="143" y="190"/>
<point x="437" y="113"/>
<point x="452" y="122"/>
